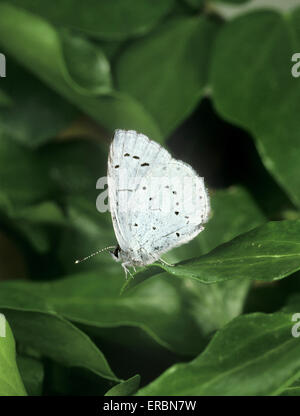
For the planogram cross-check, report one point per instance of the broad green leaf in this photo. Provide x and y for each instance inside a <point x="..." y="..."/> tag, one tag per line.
<point x="233" y="212"/>
<point x="42" y="51"/>
<point x="91" y="227"/>
<point x="32" y="373"/>
<point x="292" y="390"/>
<point x="5" y="99"/>
<point x="169" y="81"/>
<point x="102" y="19"/>
<point x="252" y="60"/>
<point x="75" y="166"/>
<point x="213" y="306"/>
<point x="232" y="8"/>
<point x="29" y="183"/>
<point x="252" y="355"/>
<point x="34" y="222"/>
<point x="10" y="381"/>
<point x="35" y="114"/>
<point x="93" y="299"/>
<point x="44" y="212"/>
<point x="231" y="1"/>
<point x="197" y="4"/>
<point x="269" y="252"/>
<point x="48" y="333"/>
<point x="36" y="235"/>
<point x="86" y="63"/>
<point x="80" y="63"/>
<point x="126" y="388"/>
<point x="292" y="308"/>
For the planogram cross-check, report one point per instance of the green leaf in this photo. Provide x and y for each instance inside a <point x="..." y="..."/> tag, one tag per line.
<point x="269" y="252"/>
<point x="35" y="114"/>
<point x="32" y="373"/>
<point x="34" y="222"/>
<point x="90" y="226"/>
<point x="233" y="8"/>
<point x="5" y="100"/>
<point x="30" y="184"/>
<point x="252" y="355"/>
<point x="76" y="62"/>
<point x="169" y="81"/>
<point x="86" y="63"/>
<point x="197" y="4"/>
<point x="43" y="52"/>
<point x="102" y="19"/>
<point x="253" y="87"/>
<point x="94" y="299"/>
<point x="75" y="166"/>
<point x="292" y="390"/>
<point x="234" y="207"/>
<point x="10" y="381"/>
<point x="214" y="305"/>
<point x="126" y="388"/>
<point x="45" y="212"/>
<point x="231" y="1"/>
<point x="37" y="327"/>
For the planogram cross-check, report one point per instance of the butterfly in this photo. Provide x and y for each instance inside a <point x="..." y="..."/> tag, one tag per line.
<point x="156" y="202"/>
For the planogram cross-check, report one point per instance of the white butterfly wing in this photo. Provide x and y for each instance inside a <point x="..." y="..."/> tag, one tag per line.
<point x="132" y="156"/>
<point x="177" y="206"/>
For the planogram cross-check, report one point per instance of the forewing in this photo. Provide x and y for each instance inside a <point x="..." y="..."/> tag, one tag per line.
<point x="132" y="157"/>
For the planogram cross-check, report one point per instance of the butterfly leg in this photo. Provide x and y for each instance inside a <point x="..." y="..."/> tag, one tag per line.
<point x="166" y="263"/>
<point x="126" y="270"/>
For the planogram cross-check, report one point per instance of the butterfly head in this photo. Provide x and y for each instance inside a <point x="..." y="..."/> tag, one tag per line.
<point x="116" y="253"/>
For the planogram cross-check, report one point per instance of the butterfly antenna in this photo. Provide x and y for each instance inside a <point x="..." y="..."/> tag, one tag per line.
<point x="94" y="254"/>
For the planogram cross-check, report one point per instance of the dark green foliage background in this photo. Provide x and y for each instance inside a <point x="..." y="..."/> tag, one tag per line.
<point x="211" y="81"/>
